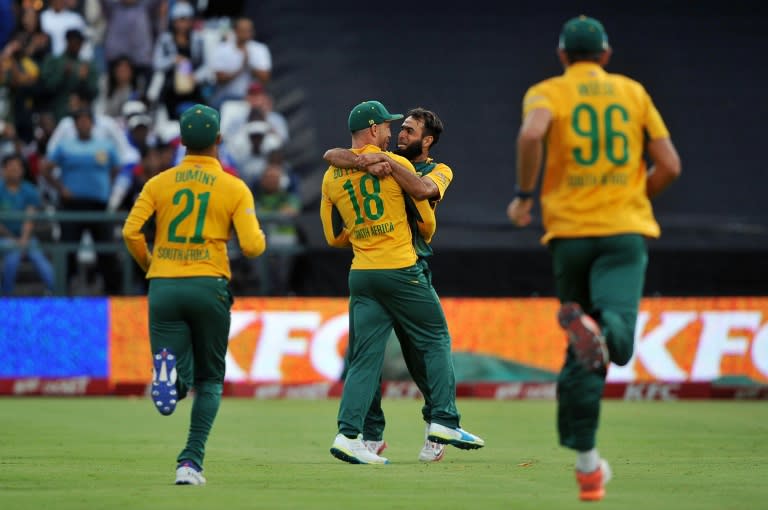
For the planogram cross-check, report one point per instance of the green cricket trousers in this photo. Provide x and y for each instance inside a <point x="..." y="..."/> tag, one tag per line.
<point x="605" y="275"/>
<point x="375" y="421"/>
<point x="190" y="317"/>
<point x="395" y="298"/>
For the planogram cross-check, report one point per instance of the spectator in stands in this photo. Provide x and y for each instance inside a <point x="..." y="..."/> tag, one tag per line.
<point x="97" y="25"/>
<point x="140" y="133"/>
<point x="104" y="127"/>
<point x="66" y="74"/>
<point x="87" y="166"/>
<point x="251" y="150"/>
<point x="179" y="61"/>
<point x="9" y="142"/>
<point x="16" y="236"/>
<point x="273" y="199"/>
<point x="121" y="86"/>
<point x="36" y="44"/>
<point x="36" y="150"/>
<point x="130" y="108"/>
<point x="18" y="77"/>
<point x="56" y="21"/>
<point x="236" y="114"/>
<point x="130" y="31"/>
<point x="239" y="62"/>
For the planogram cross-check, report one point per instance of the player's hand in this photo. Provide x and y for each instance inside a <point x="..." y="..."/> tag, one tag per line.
<point x="381" y="169"/>
<point x="368" y="159"/>
<point x="519" y="211"/>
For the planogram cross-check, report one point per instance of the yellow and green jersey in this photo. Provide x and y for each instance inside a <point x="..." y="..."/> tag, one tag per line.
<point x="373" y="212"/>
<point x="594" y="180"/>
<point x="195" y="205"/>
<point x="442" y="175"/>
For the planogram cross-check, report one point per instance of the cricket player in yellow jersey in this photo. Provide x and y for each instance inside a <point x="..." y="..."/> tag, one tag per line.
<point x="596" y="210"/>
<point x="195" y="205"/>
<point x="388" y="288"/>
<point x="420" y="131"/>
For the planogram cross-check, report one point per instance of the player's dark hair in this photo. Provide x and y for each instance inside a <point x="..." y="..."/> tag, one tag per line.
<point x="433" y="126"/>
<point x="580" y="56"/>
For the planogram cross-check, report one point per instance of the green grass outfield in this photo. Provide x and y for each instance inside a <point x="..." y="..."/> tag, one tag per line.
<point x="118" y="453"/>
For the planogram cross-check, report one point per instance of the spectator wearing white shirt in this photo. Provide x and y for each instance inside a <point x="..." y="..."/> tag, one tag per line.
<point x="56" y="20"/>
<point x="251" y="150"/>
<point x="103" y="127"/>
<point x="236" y="64"/>
<point x="236" y="114"/>
<point x="179" y="62"/>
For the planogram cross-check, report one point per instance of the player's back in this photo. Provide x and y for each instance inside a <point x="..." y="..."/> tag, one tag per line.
<point x="194" y="204"/>
<point x="594" y="182"/>
<point x="373" y="210"/>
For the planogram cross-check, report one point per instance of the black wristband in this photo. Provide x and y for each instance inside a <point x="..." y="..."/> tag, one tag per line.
<point x="524" y="195"/>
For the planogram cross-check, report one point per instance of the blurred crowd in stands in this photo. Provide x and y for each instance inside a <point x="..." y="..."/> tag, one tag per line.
<point x="90" y="96"/>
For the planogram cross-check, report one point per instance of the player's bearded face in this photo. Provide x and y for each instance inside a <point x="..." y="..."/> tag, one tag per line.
<point x="410" y="151"/>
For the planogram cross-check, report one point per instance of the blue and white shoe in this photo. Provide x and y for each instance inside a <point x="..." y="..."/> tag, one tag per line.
<point x="457" y="437"/>
<point x="189" y="473"/>
<point x="164" y="393"/>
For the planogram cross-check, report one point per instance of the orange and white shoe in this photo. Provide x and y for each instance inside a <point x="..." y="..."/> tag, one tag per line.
<point x="584" y="336"/>
<point x="592" y="485"/>
<point x="375" y="446"/>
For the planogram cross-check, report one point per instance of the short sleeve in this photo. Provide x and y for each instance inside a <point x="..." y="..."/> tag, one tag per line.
<point x="55" y="155"/>
<point x="260" y="57"/>
<point x="442" y="176"/>
<point x="654" y="124"/>
<point x="536" y="98"/>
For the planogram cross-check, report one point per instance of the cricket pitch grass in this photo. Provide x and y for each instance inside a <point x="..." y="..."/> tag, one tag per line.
<point x="119" y="453"/>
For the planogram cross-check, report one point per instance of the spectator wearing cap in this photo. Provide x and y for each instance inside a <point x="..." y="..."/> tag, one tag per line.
<point x="130" y="32"/>
<point x="16" y="236"/>
<point x="179" y="61"/>
<point x="66" y="74"/>
<point x="238" y="63"/>
<point x="87" y="167"/>
<point x="56" y="21"/>
<point x="140" y="133"/>
<point x="258" y="103"/>
<point x="251" y="149"/>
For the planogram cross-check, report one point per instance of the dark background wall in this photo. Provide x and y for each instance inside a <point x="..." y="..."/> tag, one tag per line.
<point x="704" y="66"/>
